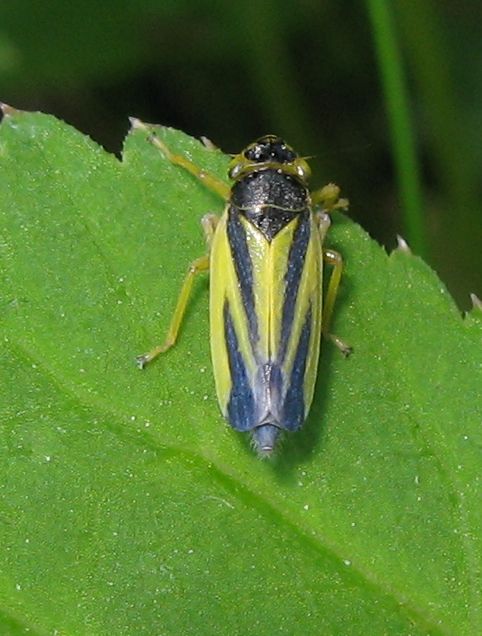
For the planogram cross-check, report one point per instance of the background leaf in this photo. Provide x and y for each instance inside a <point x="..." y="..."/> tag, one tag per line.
<point x="129" y="507"/>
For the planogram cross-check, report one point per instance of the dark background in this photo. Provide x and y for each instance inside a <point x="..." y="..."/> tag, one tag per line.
<point x="307" y="70"/>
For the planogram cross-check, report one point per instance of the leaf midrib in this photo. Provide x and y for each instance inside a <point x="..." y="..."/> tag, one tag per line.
<point x="321" y="545"/>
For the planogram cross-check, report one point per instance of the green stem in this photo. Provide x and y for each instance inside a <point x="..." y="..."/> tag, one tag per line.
<point x="401" y="130"/>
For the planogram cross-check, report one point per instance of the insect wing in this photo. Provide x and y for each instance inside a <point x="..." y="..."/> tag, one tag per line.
<point x="295" y="320"/>
<point x="232" y="354"/>
<point x="265" y="305"/>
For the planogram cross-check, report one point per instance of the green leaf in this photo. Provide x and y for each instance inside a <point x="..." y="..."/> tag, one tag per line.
<point x="130" y="507"/>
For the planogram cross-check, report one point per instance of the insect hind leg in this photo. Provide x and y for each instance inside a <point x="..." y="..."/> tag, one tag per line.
<point x="333" y="258"/>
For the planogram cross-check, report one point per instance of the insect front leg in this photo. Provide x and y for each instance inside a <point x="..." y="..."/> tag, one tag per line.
<point x="209" y="180"/>
<point x="329" y="198"/>
<point x="209" y="222"/>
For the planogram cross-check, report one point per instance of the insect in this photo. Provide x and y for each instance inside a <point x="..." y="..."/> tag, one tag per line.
<point x="265" y="259"/>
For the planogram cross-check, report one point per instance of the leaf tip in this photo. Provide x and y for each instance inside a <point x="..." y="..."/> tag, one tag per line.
<point x="207" y="143"/>
<point x="8" y="110"/>
<point x="476" y="302"/>
<point x="402" y="245"/>
<point x="137" y="124"/>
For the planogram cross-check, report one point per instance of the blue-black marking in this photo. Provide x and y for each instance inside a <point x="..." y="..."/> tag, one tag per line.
<point x="296" y="261"/>
<point x="294" y="404"/>
<point x="241" y="404"/>
<point x="244" y="269"/>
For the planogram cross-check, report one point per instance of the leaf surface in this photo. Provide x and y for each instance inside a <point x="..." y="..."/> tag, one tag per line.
<point x="130" y="507"/>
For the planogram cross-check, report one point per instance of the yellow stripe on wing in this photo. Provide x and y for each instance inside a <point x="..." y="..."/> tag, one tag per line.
<point x="224" y="288"/>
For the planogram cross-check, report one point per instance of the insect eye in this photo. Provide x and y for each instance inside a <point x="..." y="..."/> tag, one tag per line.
<point x="286" y="155"/>
<point x="257" y="153"/>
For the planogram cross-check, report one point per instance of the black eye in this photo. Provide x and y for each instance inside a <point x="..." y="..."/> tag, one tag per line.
<point x="257" y="153"/>
<point x="284" y="154"/>
<point x="251" y="154"/>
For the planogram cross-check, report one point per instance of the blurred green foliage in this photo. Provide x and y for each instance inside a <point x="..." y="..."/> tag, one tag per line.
<point x="385" y="95"/>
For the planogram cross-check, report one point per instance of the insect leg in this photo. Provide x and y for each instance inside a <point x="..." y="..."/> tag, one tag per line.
<point x="332" y="258"/>
<point x="197" y="266"/>
<point x="209" y="223"/>
<point x="335" y="259"/>
<point x="209" y="180"/>
<point x="324" y="221"/>
<point x="329" y="198"/>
